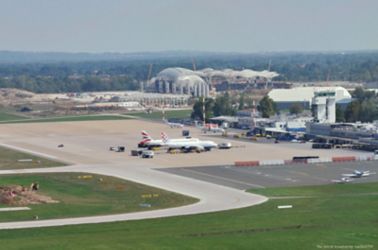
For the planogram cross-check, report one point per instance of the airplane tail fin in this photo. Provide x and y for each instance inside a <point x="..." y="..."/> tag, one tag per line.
<point x="164" y="137"/>
<point x="145" y="135"/>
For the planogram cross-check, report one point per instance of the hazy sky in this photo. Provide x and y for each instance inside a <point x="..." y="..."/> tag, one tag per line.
<point x="207" y="25"/>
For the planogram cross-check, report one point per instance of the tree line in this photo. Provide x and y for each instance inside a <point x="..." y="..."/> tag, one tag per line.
<point x="363" y="108"/>
<point x="127" y="74"/>
<point x="228" y="105"/>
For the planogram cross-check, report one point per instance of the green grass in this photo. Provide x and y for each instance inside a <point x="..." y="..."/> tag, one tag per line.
<point x="71" y="119"/>
<point x="5" y="116"/>
<point x="337" y="215"/>
<point x="169" y="114"/>
<point x="157" y="115"/>
<point x="85" y="197"/>
<point x="9" y="159"/>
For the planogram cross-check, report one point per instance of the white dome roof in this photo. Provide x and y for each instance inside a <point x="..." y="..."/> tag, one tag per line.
<point x="171" y="74"/>
<point x="178" y="74"/>
<point x="190" y="80"/>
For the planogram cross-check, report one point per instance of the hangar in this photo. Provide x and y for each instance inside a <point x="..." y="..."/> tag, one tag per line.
<point x="285" y="98"/>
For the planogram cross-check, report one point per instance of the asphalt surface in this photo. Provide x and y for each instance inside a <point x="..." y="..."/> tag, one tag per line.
<point x="277" y="176"/>
<point x="86" y="147"/>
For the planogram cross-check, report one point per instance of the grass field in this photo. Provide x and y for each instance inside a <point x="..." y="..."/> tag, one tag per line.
<point x="157" y="115"/>
<point x="5" y="116"/>
<point x="91" y="195"/>
<point x="335" y="217"/>
<point x="169" y="114"/>
<point x="71" y="119"/>
<point x="9" y="159"/>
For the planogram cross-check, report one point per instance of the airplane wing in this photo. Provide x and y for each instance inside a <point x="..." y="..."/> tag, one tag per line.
<point x="343" y="180"/>
<point x="349" y="175"/>
<point x="368" y="173"/>
<point x="337" y="181"/>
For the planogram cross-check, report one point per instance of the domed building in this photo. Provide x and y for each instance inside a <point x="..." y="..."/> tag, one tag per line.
<point x="199" y="83"/>
<point x="180" y="81"/>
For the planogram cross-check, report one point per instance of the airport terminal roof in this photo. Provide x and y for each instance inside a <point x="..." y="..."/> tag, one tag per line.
<point x="305" y="94"/>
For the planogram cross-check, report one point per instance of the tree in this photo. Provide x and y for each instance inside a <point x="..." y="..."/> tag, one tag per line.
<point x="364" y="108"/>
<point x="340" y="114"/>
<point x="197" y="112"/>
<point x="223" y="105"/>
<point x="369" y="110"/>
<point x="267" y="107"/>
<point x="241" y="101"/>
<point x="352" y="112"/>
<point x="296" y="108"/>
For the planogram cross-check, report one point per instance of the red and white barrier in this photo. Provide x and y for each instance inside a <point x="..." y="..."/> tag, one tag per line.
<point x="247" y="163"/>
<point x="343" y="158"/>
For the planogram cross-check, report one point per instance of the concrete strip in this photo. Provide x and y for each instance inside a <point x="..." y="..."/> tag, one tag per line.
<point x="6" y="209"/>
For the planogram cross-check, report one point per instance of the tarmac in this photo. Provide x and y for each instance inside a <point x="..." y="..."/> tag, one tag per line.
<point x="86" y="148"/>
<point x="89" y="142"/>
<point x="278" y="175"/>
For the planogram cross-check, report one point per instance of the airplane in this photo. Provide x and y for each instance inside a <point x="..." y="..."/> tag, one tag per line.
<point x="343" y="180"/>
<point x="150" y="143"/>
<point x="188" y="145"/>
<point x="173" y="124"/>
<point x="359" y="174"/>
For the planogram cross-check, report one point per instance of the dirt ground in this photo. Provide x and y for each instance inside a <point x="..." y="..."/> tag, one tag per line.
<point x="16" y="195"/>
<point x="89" y="142"/>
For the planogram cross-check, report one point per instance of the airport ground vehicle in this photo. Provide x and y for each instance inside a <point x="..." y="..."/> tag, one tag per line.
<point x="117" y="149"/>
<point x="224" y="145"/>
<point x="322" y="145"/>
<point x="148" y="154"/>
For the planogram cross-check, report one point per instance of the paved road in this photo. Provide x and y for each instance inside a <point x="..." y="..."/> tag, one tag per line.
<point x="212" y="197"/>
